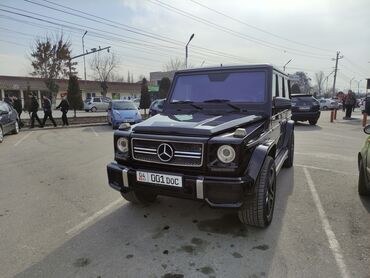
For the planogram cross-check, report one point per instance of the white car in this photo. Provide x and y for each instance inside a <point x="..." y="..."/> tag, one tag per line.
<point x="328" y="103"/>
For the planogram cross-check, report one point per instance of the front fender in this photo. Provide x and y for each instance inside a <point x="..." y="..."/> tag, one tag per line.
<point x="258" y="158"/>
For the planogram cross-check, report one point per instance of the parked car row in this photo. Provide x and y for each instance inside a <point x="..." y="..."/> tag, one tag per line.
<point x="9" y="120"/>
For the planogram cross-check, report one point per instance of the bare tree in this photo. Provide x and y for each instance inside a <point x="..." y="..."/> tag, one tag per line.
<point x="103" y="67"/>
<point x="117" y="77"/>
<point x="50" y="60"/>
<point x="174" y="64"/>
<point x="320" y="77"/>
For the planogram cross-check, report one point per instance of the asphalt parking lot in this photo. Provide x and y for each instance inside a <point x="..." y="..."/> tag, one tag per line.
<point x="59" y="217"/>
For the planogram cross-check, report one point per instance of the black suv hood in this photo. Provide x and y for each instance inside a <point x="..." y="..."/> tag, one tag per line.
<point x="198" y="124"/>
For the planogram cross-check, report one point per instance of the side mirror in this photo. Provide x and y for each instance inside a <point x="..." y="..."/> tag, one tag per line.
<point x="367" y="129"/>
<point x="281" y="103"/>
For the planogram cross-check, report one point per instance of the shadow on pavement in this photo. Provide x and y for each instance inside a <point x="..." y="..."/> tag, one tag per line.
<point x="306" y="126"/>
<point x="170" y="237"/>
<point x="365" y="202"/>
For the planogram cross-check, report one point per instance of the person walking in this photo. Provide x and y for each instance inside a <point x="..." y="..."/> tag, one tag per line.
<point x="46" y="105"/>
<point x="17" y="104"/>
<point x="350" y="102"/>
<point x="33" y="110"/>
<point x="64" y="107"/>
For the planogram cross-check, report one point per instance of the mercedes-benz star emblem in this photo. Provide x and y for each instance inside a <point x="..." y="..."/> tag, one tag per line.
<point x="165" y="152"/>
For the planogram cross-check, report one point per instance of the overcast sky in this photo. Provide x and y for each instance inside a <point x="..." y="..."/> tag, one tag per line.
<point x="146" y="34"/>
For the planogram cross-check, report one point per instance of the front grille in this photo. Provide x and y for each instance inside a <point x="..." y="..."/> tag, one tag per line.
<point x="186" y="154"/>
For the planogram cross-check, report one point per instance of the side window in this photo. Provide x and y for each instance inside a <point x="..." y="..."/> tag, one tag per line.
<point x="281" y="89"/>
<point x="96" y="99"/>
<point x="277" y="85"/>
<point x="287" y="88"/>
<point x="273" y="86"/>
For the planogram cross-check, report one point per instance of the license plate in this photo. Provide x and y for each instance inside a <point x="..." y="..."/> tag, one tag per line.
<point x="304" y="108"/>
<point x="161" y="179"/>
<point x="128" y="120"/>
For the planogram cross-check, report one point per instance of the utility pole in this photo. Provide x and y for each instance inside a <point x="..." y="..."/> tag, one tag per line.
<point x="186" y="51"/>
<point x="83" y="51"/>
<point x="93" y="50"/>
<point x="335" y="70"/>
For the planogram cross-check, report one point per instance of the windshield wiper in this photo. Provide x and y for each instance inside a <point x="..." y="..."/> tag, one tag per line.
<point x="227" y="101"/>
<point x="187" y="102"/>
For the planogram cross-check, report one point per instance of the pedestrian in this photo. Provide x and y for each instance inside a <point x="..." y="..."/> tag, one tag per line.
<point x="344" y="103"/>
<point x="17" y="104"/>
<point x="46" y="105"/>
<point x="34" y="107"/>
<point x="64" y="107"/>
<point x="350" y="102"/>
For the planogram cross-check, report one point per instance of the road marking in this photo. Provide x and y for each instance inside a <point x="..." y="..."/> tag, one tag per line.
<point x="96" y="134"/>
<point x="330" y="156"/>
<point x="93" y="217"/>
<point x="324" y="169"/>
<point x="333" y="242"/>
<point x="22" y="139"/>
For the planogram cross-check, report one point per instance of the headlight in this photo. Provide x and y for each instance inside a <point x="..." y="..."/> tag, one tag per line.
<point x="122" y="145"/>
<point x="226" y="154"/>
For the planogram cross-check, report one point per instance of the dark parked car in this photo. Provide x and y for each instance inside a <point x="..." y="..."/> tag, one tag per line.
<point x="8" y="120"/>
<point x="305" y="108"/>
<point x="222" y="138"/>
<point x="363" y="166"/>
<point x="156" y="107"/>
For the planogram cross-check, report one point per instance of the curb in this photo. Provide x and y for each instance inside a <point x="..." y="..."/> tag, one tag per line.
<point x="62" y="127"/>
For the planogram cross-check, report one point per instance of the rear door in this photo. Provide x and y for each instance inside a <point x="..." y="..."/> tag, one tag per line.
<point x="97" y="103"/>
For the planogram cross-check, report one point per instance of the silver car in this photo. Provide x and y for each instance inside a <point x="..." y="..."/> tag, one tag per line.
<point x="94" y="104"/>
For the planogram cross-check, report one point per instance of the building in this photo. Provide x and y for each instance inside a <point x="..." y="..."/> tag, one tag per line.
<point x="156" y="76"/>
<point x="19" y="85"/>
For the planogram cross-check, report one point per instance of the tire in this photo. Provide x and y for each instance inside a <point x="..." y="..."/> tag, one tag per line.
<point x="139" y="197"/>
<point x="363" y="186"/>
<point x="1" y="135"/>
<point x="16" y="128"/>
<point x="312" y="122"/>
<point x="87" y="110"/>
<point x="93" y="109"/>
<point x="289" y="161"/>
<point x="259" y="209"/>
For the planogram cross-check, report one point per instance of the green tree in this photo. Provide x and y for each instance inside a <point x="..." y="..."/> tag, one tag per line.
<point x="74" y="94"/>
<point x="145" y="96"/>
<point x="50" y="60"/>
<point x="164" y="87"/>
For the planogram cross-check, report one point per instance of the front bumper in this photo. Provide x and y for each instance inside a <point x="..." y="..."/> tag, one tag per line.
<point x="117" y="122"/>
<point x="219" y="192"/>
<point x="305" y="116"/>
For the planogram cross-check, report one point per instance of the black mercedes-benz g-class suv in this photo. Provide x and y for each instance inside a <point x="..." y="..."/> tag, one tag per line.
<point x="223" y="136"/>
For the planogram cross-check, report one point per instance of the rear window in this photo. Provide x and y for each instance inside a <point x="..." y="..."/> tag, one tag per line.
<point x="303" y="99"/>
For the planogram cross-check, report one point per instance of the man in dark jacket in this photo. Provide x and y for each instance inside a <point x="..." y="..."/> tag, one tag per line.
<point x="17" y="104"/>
<point x="46" y="105"/>
<point x="33" y="110"/>
<point x="64" y="106"/>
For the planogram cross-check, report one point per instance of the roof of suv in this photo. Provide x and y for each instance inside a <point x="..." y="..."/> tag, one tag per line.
<point x="238" y="67"/>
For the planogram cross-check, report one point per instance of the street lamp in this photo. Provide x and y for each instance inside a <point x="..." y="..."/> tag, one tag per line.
<point x="83" y="51"/>
<point x="286" y="64"/>
<point x="186" y="51"/>
<point x="350" y="83"/>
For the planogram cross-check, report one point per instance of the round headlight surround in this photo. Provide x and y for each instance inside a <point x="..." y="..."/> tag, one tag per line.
<point x="226" y="153"/>
<point x="122" y="145"/>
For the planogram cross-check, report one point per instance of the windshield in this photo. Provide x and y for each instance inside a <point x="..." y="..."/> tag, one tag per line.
<point x="231" y="86"/>
<point x="123" y="105"/>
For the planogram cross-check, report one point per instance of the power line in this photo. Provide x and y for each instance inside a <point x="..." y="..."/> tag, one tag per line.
<point x="233" y="32"/>
<point x="257" y="28"/>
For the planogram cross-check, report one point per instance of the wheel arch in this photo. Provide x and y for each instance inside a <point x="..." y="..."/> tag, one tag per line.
<point x="258" y="158"/>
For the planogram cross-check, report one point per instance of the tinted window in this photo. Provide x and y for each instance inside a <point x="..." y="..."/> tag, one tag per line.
<point x="303" y="99"/>
<point x="97" y="99"/>
<point x="3" y="107"/>
<point x="233" y="86"/>
<point x="124" y="105"/>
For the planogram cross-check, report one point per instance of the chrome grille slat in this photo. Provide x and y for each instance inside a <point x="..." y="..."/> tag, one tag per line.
<point x="188" y="154"/>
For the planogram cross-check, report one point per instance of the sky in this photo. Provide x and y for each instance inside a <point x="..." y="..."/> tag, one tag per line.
<point x="146" y="34"/>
